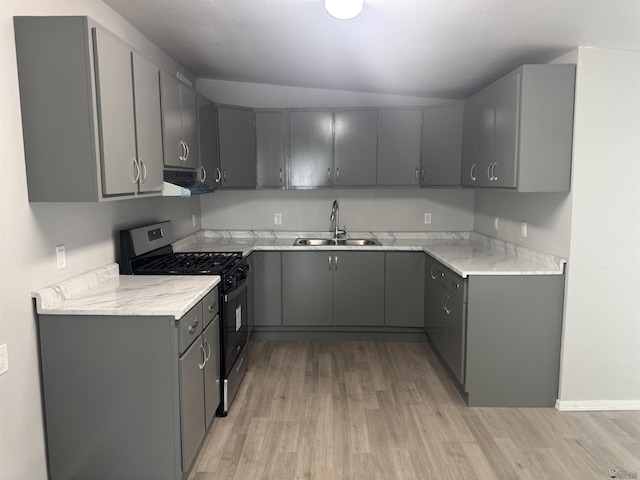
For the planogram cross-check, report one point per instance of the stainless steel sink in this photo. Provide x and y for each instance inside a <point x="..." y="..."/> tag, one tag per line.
<point x="318" y="242"/>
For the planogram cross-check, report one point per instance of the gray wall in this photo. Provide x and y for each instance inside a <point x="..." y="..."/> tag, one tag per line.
<point x="30" y="233"/>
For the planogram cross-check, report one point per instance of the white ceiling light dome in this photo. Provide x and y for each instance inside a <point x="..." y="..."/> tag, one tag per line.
<point x="344" y="9"/>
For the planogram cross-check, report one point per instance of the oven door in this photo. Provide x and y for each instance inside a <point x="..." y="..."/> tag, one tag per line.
<point x="235" y="328"/>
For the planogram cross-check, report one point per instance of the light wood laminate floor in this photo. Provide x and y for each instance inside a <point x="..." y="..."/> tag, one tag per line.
<point x="386" y="410"/>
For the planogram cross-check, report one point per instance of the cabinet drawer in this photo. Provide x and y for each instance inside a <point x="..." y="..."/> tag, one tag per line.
<point x="189" y="327"/>
<point x="453" y="282"/>
<point x="210" y="306"/>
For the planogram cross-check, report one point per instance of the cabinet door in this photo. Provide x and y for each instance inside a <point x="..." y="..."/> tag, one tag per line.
<point x="208" y="136"/>
<point x="212" y="387"/>
<point x="267" y="275"/>
<point x="171" y="121"/>
<point x="311" y="145"/>
<point x="454" y="310"/>
<point x="358" y="288"/>
<point x="399" y="146"/>
<point x="478" y="147"/>
<point x="237" y="147"/>
<point x="507" y="119"/>
<point x="404" y="289"/>
<point x="192" y="401"/>
<point x="270" y="148"/>
<point x="189" y="116"/>
<point x="307" y="294"/>
<point x="114" y="86"/>
<point x="442" y="146"/>
<point x="434" y="320"/>
<point x="356" y="135"/>
<point x="148" y="123"/>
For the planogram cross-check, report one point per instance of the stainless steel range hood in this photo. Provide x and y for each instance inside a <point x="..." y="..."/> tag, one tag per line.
<point x="184" y="183"/>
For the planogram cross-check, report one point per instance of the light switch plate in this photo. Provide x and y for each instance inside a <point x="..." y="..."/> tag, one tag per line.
<point x="523" y="232"/>
<point x="277" y="219"/>
<point x="427" y="218"/>
<point x="4" y="359"/>
<point x="61" y="257"/>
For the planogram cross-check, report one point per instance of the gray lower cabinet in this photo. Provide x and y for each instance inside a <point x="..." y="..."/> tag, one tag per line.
<point x="498" y="335"/>
<point x="399" y="133"/>
<point x="518" y="131"/>
<point x="442" y="146"/>
<point x="271" y="148"/>
<point x="237" y="143"/>
<point x="445" y="316"/>
<point x="85" y="137"/>
<point x="326" y="288"/>
<point x="311" y="148"/>
<point x="404" y="289"/>
<point x="267" y="298"/>
<point x="128" y="397"/>
<point x="179" y="123"/>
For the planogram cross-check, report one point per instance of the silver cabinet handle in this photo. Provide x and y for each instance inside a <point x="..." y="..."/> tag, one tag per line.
<point x="211" y="307"/>
<point x="329" y="262"/>
<point x="489" y="171"/>
<point x="193" y="326"/>
<point x="280" y="175"/>
<point x="337" y="174"/>
<point x="329" y="175"/>
<point x="208" y="352"/>
<point x="336" y="262"/>
<point x="455" y="285"/>
<point x="204" y="358"/>
<point x="472" y="173"/>
<point x="143" y="167"/>
<point x="423" y="174"/>
<point x="447" y="307"/>
<point x="218" y="175"/>
<point x="433" y="271"/>
<point x="183" y="151"/>
<point x="203" y="173"/>
<point x="493" y="171"/>
<point x="186" y="148"/>
<point x="416" y="174"/>
<point x="444" y="303"/>
<point x="135" y="171"/>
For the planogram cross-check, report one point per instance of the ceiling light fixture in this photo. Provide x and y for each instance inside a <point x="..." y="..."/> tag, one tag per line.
<point x="344" y="9"/>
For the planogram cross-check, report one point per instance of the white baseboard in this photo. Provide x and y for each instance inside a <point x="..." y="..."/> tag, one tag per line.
<point x="596" y="405"/>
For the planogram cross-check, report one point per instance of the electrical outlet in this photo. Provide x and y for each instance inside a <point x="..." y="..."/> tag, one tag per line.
<point x="61" y="257"/>
<point x="496" y="222"/>
<point x="427" y="218"/>
<point x="523" y="232"/>
<point x="4" y="359"/>
<point x="277" y="219"/>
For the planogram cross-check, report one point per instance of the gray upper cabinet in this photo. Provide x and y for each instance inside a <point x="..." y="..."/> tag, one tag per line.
<point x="208" y="135"/>
<point x="271" y="148"/>
<point x="518" y="131"/>
<point x="237" y="143"/>
<point x="179" y="123"/>
<point x="399" y="133"/>
<point x="356" y="133"/>
<point x="311" y="148"/>
<point x="86" y="137"/>
<point x="148" y="123"/>
<point x="442" y="146"/>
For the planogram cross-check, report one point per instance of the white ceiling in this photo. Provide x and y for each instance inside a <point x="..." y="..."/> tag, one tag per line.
<point x="432" y="48"/>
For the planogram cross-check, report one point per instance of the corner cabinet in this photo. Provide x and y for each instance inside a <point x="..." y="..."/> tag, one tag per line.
<point x="208" y="135"/>
<point x="442" y="146"/>
<point x="271" y="148"/>
<point x="518" y="132"/>
<point x="90" y="112"/>
<point x="179" y="123"/>
<point x="498" y="336"/>
<point x="129" y="397"/>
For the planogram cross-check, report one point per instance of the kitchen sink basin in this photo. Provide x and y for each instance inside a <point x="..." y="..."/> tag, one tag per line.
<point x="352" y="242"/>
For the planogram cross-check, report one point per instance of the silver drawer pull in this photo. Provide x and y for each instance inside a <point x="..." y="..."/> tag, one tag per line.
<point x="455" y="285"/>
<point x="193" y="326"/>
<point x="211" y="307"/>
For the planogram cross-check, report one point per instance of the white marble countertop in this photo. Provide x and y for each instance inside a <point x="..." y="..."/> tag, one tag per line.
<point x="466" y="253"/>
<point x="103" y="291"/>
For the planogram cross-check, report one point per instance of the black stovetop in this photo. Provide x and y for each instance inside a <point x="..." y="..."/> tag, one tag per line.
<point x="186" y="263"/>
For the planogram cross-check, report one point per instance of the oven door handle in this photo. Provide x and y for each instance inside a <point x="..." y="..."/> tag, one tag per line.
<point x="237" y="291"/>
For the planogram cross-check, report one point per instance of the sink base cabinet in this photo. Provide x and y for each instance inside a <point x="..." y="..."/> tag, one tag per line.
<point x="119" y="399"/>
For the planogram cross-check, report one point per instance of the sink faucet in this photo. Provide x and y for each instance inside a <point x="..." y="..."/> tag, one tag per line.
<point x="335" y="213"/>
